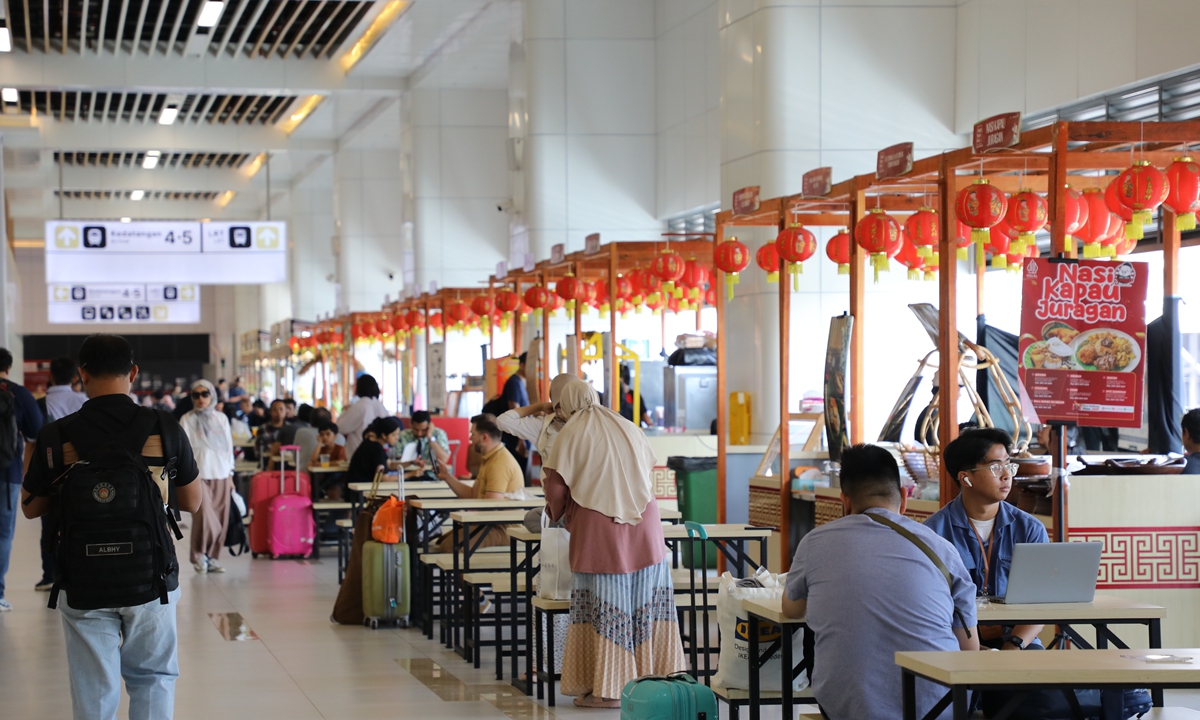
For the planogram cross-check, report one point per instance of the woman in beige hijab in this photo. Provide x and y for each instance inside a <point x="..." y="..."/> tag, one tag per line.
<point x="623" y="622"/>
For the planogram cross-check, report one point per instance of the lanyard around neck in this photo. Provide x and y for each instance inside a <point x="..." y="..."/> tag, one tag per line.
<point x="987" y="554"/>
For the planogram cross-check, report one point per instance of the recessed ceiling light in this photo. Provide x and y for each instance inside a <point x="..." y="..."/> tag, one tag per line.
<point x="137" y="195"/>
<point x="10" y="95"/>
<point x="167" y="115"/>
<point x="5" y="40"/>
<point x="125" y="220"/>
<point x="151" y="160"/>
<point x="210" y="14"/>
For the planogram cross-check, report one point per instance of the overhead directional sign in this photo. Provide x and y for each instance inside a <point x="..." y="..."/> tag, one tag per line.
<point x="123" y="303"/>
<point x="210" y="253"/>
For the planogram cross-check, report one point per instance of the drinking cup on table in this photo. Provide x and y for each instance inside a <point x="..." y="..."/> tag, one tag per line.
<point x="324" y="459"/>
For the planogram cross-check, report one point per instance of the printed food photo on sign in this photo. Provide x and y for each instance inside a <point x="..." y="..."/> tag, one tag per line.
<point x="1083" y="335"/>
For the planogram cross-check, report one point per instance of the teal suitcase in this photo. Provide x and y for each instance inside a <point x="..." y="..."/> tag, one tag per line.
<point x="676" y="697"/>
<point x="385" y="586"/>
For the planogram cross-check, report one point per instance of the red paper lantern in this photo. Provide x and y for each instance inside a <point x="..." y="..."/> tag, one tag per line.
<point x="336" y="339"/>
<point x="1116" y="233"/>
<point x="538" y="297"/>
<point x="383" y="326"/>
<point x="879" y="234"/>
<point x="838" y="250"/>
<point x="1096" y="228"/>
<point x="435" y="321"/>
<point x="980" y="206"/>
<point x="795" y="245"/>
<point x="645" y="285"/>
<point x="571" y="288"/>
<point x="416" y="319"/>
<point x="767" y="258"/>
<point x="909" y="256"/>
<point x="731" y="257"/>
<point x="923" y="231"/>
<point x="962" y="239"/>
<point x="1142" y="188"/>
<point x="1183" y="198"/>
<point x="508" y="301"/>
<point x="710" y="297"/>
<point x="357" y="332"/>
<point x="998" y="244"/>
<point x="1125" y="246"/>
<point x="624" y="287"/>
<point x="1113" y="201"/>
<point x="483" y="306"/>
<point x="668" y="267"/>
<point x="459" y="314"/>
<point x="295" y="343"/>
<point x="695" y="277"/>
<point x="556" y="303"/>
<point x="1027" y="213"/>
<point x="1076" y="216"/>
<point x="399" y="323"/>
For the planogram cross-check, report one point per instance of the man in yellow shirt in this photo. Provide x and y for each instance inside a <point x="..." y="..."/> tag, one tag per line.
<point x="499" y="474"/>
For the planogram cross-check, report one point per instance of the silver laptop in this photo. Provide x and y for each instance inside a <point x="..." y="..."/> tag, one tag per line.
<point x="1053" y="572"/>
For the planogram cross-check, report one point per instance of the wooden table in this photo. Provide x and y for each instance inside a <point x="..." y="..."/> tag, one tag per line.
<point x="730" y="539"/>
<point x="761" y="612"/>
<point x="429" y="515"/>
<point x="470" y="529"/>
<point x="962" y="672"/>
<point x="340" y="467"/>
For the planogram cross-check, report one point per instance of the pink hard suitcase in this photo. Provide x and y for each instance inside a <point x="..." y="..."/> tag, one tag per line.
<point x="291" y="530"/>
<point x="268" y="491"/>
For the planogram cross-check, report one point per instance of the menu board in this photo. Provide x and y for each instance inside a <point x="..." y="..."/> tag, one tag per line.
<point x="204" y="253"/>
<point x="1083" y="341"/>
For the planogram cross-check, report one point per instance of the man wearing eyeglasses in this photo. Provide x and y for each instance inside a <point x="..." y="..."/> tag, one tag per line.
<point x="982" y="526"/>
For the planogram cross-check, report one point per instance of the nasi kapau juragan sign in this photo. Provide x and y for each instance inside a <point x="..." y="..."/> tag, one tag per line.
<point x="203" y="253"/>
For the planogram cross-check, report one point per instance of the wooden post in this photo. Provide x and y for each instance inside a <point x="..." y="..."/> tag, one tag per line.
<point x="722" y="399"/>
<point x="517" y="350"/>
<point x="1056" y="193"/>
<point x="579" y="305"/>
<point x="428" y="332"/>
<point x="947" y="320"/>
<point x="545" y="379"/>
<point x="491" y="324"/>
<point x="785" y="474"/>
<point x="857" y="301"/>
<point x="614" y="377"/>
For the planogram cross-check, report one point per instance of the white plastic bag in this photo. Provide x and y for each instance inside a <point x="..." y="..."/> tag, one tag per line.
<point x="733" y="666"/>
<point x="555" y="579"/>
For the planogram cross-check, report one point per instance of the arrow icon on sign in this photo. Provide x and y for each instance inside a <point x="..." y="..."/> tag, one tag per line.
<point x="66" y="236"/>
<point x="267" y="237"/>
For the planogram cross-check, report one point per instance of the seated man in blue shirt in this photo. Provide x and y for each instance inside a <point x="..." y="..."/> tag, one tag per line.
<point x="1191" y="441"/>
<point x="983" y="527"/>
<point x="868" y="592"/>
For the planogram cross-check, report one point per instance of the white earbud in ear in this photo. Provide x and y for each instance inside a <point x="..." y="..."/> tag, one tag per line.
<point x="967" y="481"/>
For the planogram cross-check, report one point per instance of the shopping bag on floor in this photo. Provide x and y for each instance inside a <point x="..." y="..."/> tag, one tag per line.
<point x="555" y="579"/>
<point x="733" y="667"/>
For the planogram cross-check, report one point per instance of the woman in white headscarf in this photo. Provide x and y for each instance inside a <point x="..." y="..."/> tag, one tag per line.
<point x="623" y="623"/>
<point x="212" y="444"/>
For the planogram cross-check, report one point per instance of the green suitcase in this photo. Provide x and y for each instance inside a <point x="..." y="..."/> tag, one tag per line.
<point x="675" y="697"/>
<point x="385" y="571"/>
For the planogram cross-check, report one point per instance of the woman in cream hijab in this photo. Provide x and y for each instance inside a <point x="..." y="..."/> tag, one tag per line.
<point x="212" y="443"/>
<point x="623" y="623"/>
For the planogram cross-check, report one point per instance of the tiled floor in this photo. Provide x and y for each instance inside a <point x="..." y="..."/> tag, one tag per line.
<point x="292" y="664"/>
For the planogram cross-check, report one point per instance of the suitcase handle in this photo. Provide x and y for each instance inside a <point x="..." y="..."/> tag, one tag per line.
<point x="283" y="466"/>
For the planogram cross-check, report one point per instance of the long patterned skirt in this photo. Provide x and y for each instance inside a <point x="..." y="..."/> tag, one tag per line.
<point x="622" y="627"/>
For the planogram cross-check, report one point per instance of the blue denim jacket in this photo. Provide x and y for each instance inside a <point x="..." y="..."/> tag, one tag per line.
<point x="1012" y="526"/>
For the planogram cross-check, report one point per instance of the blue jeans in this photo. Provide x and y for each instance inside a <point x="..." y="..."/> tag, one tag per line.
<point x="136" y="643"/>
<point x="10" y="507"/>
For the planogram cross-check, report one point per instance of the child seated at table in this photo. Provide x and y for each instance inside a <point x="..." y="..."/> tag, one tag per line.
<point x="327" y="434"/>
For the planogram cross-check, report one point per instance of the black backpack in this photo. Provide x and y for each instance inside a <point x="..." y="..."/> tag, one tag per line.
<point x="11" y="447"/>
<point x="115" y="547"/>
<point x="236" y="541"/>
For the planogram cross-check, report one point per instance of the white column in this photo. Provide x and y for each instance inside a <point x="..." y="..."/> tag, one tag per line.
<point x="589" y="159"/>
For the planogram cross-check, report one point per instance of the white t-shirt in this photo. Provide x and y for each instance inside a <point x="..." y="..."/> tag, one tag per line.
<point x="984" y="528"/>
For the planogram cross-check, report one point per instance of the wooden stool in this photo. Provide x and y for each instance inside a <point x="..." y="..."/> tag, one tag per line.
<point x="544" y="609"/>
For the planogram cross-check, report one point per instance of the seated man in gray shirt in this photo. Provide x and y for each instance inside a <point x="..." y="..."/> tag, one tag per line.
<point x="869" y="592"/>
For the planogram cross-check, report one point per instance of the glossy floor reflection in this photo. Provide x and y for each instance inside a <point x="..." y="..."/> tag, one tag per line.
<point x="301" y="667"/>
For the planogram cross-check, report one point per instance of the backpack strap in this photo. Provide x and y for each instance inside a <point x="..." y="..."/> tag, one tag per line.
<point x="170" y="451"/>
<point x="929" y="553"/>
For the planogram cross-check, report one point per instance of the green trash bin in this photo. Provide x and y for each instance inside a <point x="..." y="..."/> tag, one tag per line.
<point x="696" y="489"/>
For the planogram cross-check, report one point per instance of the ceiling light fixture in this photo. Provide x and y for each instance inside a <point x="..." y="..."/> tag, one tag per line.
<point x="125" y="219"/>
<point x="137" y="195"/>
<point x="224" y="199"/>
<point x="293" y="121"/>
<point x="151" y="160"/>
<point x="210" y="14"/>
<point x="167" y="115"/>
<point x="371" y="35"/>
<point x="5" y="39"/>
<point x="10" y="95"/>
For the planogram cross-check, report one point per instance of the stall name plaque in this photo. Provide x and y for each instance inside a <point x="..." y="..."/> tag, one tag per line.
<point x="530" y="263"/>
<point x="893" y="161"/>
<point x="745" y="201"/>
<point x="1081" y="354"/>
<point x="996" y="133"/>
<point x="501" y="269"/>
<point x="817" y="182"/>
<point x="558" y="254"/>
<point x="591" y="244"/>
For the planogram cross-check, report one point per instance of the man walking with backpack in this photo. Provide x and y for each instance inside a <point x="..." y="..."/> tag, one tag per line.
<point x="108" y="472"/>
<point x="20" y="420"/>
<point x="60" y="401"/>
